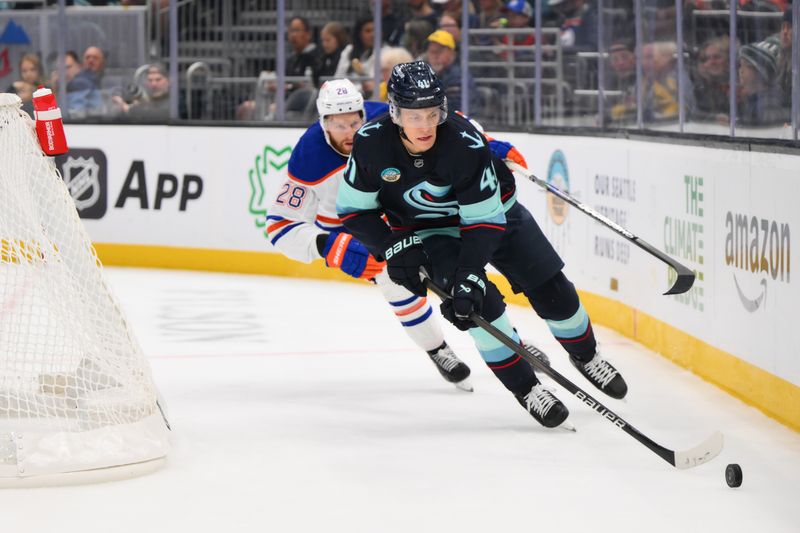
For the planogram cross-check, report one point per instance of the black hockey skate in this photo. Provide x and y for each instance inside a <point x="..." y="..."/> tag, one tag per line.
<point x="544" y="406"/>
<point x="603" y="375"/>
<point x="451" y="367"/>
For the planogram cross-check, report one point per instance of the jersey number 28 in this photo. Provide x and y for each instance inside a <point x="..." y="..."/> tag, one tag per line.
<point x="295" y="194"/>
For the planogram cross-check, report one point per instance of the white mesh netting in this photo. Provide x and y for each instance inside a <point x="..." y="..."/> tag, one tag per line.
<point x="75" y="389"/>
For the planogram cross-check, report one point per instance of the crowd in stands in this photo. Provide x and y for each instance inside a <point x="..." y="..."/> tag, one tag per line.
<point x="763" y="75"/>
<point x="431" y="30"/>
<point x="87" y="93"/>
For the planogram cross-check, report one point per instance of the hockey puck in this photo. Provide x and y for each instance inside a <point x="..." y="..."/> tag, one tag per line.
<point x="733" y="475"/>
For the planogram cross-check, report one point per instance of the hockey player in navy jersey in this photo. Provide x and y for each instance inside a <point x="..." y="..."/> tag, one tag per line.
<point x="451" y="209"/>
<point x="303" y="225"/>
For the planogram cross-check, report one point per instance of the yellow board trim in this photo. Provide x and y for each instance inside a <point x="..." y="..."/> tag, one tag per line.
<point x="771" y="394"/>
<point x="232" y="261"/>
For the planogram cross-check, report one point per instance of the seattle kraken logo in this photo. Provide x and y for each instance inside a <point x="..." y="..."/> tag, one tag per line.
<point x="427" y="197"/>
<point x="477" y="141"/>
<point x="368" y="126"/>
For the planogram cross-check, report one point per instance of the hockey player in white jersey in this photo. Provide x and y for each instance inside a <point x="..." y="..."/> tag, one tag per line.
<point x="302" y="223"/>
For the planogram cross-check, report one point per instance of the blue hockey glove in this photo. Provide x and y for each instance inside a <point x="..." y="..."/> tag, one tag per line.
<point x="468" y="290"/>
<point x="506" y="151"/>
<point x="344" y="251"/>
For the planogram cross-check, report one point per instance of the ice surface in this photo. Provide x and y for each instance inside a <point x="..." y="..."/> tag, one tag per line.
<point x="300" y="406"/>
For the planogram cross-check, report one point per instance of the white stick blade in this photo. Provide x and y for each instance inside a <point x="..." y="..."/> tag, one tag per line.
<point x="702" y="453"/>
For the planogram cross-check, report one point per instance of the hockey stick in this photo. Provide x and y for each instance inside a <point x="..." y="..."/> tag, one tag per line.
<point x="702" y="453"/>
<point x="685" y="278"/>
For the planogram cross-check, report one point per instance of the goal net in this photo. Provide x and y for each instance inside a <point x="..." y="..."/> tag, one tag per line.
<point x="76" y="391"/>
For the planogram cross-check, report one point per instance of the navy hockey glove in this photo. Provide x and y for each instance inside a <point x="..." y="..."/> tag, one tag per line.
<point x="469" y="288"/>
<point x="404" y="258"/>
<point x="342" y="250"/>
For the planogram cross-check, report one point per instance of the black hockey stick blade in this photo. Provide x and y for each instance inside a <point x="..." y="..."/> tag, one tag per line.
<point x="685" y="276"/>
<point x="700" y="454"/>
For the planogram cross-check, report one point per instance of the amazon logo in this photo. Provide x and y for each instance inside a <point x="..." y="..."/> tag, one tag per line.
<point x="758" y="246"/>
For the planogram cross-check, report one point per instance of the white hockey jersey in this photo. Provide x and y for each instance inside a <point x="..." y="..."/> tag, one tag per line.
<point x="305" y="205"/>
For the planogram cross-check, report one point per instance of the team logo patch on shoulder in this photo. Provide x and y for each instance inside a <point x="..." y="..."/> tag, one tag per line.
<point x="477" y="141"/>
<point x="390" y="174"/>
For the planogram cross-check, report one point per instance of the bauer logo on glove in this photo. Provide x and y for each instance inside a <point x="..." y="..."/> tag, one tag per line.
<point x="402" y="244"/>
<point x="475" y="281"/>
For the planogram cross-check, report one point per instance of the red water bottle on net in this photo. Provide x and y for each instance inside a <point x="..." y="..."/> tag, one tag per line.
<point x="49" y="126"/>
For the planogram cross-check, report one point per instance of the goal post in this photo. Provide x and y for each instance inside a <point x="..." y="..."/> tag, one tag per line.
<point x="76" y="392"/>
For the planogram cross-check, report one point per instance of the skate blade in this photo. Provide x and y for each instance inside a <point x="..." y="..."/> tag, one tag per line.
<point x="566" y="425"/>
<point x="464" y="385"/>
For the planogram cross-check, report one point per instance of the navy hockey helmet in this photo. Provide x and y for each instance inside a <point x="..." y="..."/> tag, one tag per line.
<point x="415" y="86"/>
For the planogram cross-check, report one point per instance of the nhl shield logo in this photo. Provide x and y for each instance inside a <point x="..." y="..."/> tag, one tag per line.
<point x="84" y="173"/>
<point x="81" y="174"/>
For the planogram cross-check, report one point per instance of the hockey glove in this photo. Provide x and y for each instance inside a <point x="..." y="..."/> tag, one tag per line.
<point x="343" y="251"/>
<point x="469" y="288"/>
<point x="507" y="151"/>
<point x="404" y="258"/>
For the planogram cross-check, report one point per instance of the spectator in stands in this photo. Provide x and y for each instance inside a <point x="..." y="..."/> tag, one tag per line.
<point x="659" y="19"/>
<point x="304" y="52"/>
<point x="520" y="14"/>
<point x="391" y="24"/>
<point x="442" y="57"/>
<point x="490" y="14"/>
<point x="304" y="59"/>
<point x="659" y="68"/>
<point x="622" y="62"/>
<point x="31" y="76"/>
<point x="622" y="66"/>
<point x="94" y="64"/>
<point x="391" y="56"/>
<point x="578" y="21"/>
<point x="784" y="77"/>
<point x="334" y="39"/>
<point x="759" y="98"/>
<point x="451" y="23"/>
<point x="83" y="95"/>
<point x="454" y="9"/>
<point x="359" y="57"/>
<point x="422" y="10"/>
<point x="416" y="35"/>
<point x="154" y="103"/>
<point x="711" y="80"/>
